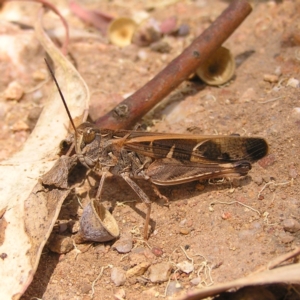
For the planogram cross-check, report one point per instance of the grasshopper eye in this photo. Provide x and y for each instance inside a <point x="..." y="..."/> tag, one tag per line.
<point x="89" y="135"/>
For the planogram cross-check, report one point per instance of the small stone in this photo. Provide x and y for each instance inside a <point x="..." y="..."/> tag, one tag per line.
<point x="142" y="55"/>
<point x="278" y="71"/>
<point x="184" y="231"/>
<point x="14" y="91"/>
<point x="157" y="251"/>
<point x="60" y="244"/>
<point x="185" y="266"/>
<point x="39" y="75"/>
<point x="160" y="272"/>
<point x="271" y="78"/>
<point x="291" y="225"/>
<point x="100" y="249"/>
<point x="85" y="288"/>
<point x="120" y="294"/>
<point x="182" y="223"/>
<point x="161" y="47"/>
<point x="124" y="244"/>
<point x="149" y="255"/>
<point x="248" y="96"/>
<point x="293" y="83"/>
<point x="226" y="215"/>
<point x="195" y="281"/>
<point x="20" y="126"/>
<point x="138" y="270"/>
<point x="285" y="238"/>
<point x="293" y="172"/>
<point x="136" y="258"/>
<point x="173" y="288"/>
<point x="118" y="276"/>
<point x="183" y="30"/>
<point x="168" y="26"/>
<point x="267" y="161"/>
<point x="152" y="292"/>
<point x="258" y="180"/>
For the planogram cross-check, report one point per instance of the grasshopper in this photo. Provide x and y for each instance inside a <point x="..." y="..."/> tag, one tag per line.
<point x="162" y="158"/>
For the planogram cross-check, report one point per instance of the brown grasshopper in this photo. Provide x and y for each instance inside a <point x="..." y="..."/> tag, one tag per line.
<point x="161" y="158"/>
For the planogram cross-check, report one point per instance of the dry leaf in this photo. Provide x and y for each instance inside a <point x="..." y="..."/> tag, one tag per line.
<point x="29" y="210"/>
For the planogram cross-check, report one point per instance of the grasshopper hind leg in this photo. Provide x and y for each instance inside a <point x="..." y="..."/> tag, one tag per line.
<point x="143" y="197"/>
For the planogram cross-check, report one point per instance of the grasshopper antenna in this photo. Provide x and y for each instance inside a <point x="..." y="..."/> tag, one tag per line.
<point x="61" y="95"/>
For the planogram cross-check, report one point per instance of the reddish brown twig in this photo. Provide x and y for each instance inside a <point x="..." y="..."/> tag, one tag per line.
<point x="127" y="113"/>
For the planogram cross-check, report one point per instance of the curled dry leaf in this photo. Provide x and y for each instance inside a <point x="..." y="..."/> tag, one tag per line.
<point x="219" y="68"/>
<point x="31" y="211"/>
<point x="97" y="224"/>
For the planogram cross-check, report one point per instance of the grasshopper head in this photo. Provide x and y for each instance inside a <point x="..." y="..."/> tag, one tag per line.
<point x="88" y="139"/>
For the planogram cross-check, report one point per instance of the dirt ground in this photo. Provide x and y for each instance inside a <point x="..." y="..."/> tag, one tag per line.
<point x="227" y="230"/>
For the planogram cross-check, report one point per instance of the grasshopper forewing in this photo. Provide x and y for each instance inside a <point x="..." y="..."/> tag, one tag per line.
<point x="163" y="159"/>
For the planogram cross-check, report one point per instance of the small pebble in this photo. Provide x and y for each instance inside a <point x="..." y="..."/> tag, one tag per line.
<point x="258" y="180"/>
<point x="267" y="161"/>
<point x="85" y="288"/>
<point x="157" y="251"/>
<point x="185" y="266"/>
<point x="226" y="215"/>
<point x="293" y="83"/>
<point x="146" y="34"/>
<point x="142" y="54"/>
<point x="293" y="173"/>
<point x="60" y="244"/>
<point x="278" y="71"/>
<point x="173" y="288"/>
<point x="161" y="47"/>
<point x="182" y="223"/>
<point x="291" y="225"/>
<point x="183" y="30"/>
<point x="160" y="272"/>
<point x="136" y="258"/>
<point x="39" y="75"/>
<point x="249" y="95"/>
<point x="271" y="78"/>
<point x="120" y="294"/>
<point x="152" y="292"/>
<point x="20" y="126"/>
<point x="14" y="91"/>
<point x="266" y="178"/>
<point x="195" y="281"/>
<point x="168" y="25"/>
<point x="150" y="256"/>
<point x="100" y="249"/>
<point x="138" y="270"/>
<point x="184" y="231"/>
<point x="118" y="276"/>
<point x="285" y="238"/>
<point x="124" y="244"/>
